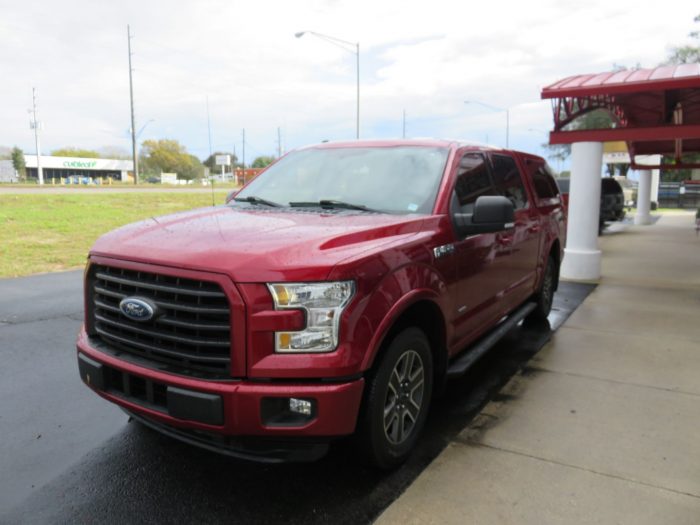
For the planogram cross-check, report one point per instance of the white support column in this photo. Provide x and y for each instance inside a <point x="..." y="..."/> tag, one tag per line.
<point x="582" y="256"/>
<point x="655" y="178"/>
<point x="643" y="198"/>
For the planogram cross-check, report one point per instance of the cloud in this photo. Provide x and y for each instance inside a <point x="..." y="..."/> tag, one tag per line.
<point x="425" y="58"/>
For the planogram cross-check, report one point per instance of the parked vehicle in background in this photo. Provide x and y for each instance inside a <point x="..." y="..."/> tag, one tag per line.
<point x="612" y="200"/>
<point x="334" y="294"/>
<point x="629" y="190"/>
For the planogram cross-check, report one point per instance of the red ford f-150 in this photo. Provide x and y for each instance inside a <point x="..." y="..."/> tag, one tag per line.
<point x="332" y="295"/>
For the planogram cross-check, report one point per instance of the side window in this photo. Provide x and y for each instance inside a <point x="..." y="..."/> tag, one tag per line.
<point x="508" y="181"/>
<point x="545" y="186"/>
<point x="473" y="181"/>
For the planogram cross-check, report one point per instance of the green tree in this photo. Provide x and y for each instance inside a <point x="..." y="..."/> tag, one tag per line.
<point x="596" y="119"/>
<point x="211" y="161"/>
<point x="169" y="156"/>
<point x="686" y="54"/>
<point x="683" y="55"/>
<point x="263" y="161"/>
<point x="18" y="162"/>
<point x="75" y="152"/>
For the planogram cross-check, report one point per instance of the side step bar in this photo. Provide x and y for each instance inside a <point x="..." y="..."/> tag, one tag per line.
<point x="462" y="363"/>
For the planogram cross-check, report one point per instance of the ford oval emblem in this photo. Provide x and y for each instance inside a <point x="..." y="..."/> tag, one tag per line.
<point x="138" y="308"/>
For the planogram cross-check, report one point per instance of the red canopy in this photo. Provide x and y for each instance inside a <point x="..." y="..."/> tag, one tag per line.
<point x="656" y="111"/>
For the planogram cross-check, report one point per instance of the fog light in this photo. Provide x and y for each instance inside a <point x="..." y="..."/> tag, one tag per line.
<point x="300" y="406"/>
<point x="279" y="412"/>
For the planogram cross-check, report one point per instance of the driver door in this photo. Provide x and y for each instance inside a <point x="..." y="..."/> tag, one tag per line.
<point x="480" y="258"/>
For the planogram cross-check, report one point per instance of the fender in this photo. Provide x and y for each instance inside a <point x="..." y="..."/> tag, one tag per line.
<point x="393" y="295"/>
<point x="403" y="304"/>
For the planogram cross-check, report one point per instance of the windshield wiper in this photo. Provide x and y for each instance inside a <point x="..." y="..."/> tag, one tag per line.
<point x="257" y="200"/>
<point x="331" y="204"/>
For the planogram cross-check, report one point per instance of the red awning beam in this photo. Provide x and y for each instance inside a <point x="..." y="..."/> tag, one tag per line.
<point x="648" y="134"/>
<point x="678" y="166"/>
<point x="655" y="111"/>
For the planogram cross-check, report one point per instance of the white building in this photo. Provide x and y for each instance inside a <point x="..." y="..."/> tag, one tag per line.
<point x="62" y="167"/>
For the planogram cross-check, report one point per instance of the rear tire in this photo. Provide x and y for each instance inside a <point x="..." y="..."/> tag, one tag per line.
<point x="397" y="397"/>
<point x="545" y="295"/>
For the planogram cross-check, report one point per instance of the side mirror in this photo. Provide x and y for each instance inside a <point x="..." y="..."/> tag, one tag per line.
<point x="491" y="214"/>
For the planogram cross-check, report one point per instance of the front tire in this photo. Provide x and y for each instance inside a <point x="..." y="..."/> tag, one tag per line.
<point x="397" y="398"/>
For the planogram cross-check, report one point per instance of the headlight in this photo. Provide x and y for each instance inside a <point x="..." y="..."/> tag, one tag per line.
<point x="323" y="304"/>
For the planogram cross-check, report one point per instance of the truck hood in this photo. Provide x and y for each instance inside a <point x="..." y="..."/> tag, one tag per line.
<point x="256" y="244"/>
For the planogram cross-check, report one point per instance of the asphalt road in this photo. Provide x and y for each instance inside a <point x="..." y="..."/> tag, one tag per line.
<point x="67" y="456"/>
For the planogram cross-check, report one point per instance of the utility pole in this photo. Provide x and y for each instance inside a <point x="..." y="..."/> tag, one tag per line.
<point x="243" y="153"/>
<point x="404" y="123"/>
<point x="36" y="125"/>
<point x="233" y="165"/>
<point x="209" y="125"/>
<point x="357" y="125"/>
<point x="133" y="118"/>
<point x="279" y="143"/>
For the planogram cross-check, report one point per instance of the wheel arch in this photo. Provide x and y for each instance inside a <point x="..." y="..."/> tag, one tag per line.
<point x="423" y="313"/>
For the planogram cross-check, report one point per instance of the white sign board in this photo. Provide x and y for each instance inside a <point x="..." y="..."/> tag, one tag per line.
<point x="223" y="160"/>
<point x="168" y="178"/>
<point x="79" y="163"/>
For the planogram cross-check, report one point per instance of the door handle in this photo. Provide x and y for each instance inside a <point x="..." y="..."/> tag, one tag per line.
<point x="534" y="229"/>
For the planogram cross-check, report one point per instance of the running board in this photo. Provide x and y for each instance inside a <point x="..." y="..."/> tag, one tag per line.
<point x="460" y="365"/>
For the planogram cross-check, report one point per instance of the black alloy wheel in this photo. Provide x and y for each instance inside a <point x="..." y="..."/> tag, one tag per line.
<point x="397" y="396"/>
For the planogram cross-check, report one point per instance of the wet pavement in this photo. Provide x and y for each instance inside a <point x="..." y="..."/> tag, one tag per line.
<point x="67" y="456"/>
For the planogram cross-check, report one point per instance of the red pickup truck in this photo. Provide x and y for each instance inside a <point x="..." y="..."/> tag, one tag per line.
<point x="333" y="295"/>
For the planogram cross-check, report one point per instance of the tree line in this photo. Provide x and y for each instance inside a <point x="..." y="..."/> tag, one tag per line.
<point x="155" y="157"/>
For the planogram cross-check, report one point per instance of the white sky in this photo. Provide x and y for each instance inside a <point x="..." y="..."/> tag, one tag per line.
<point x="425" y="57"/>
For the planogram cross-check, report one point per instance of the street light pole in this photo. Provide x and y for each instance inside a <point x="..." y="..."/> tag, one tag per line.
<point x="350" y="47"/>
<point x="36" y="125"/>
<point x="496" y="108"/>
<point x="133" y="118"/>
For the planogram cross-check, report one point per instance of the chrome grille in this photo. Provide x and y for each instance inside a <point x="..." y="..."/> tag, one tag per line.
<point x="192" y="332"/>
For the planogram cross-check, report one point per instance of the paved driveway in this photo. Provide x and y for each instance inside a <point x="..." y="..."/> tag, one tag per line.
<point x="68" y="456"/>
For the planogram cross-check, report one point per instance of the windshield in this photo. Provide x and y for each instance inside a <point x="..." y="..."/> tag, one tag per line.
<point x="402" y="179"/>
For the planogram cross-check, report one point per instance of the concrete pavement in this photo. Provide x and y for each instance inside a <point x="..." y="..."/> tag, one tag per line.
<point x="603" y="426"/>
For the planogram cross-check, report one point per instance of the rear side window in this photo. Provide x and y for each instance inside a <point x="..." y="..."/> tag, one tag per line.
<point x="545" y="186"/>
<point x="508" y="181"/>
<point x="473" y="181"/>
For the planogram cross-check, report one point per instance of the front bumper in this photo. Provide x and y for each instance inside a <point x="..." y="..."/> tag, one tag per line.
<point x="221" y="414"/>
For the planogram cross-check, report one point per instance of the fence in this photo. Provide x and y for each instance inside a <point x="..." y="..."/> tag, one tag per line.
<point x="684" y="194"/>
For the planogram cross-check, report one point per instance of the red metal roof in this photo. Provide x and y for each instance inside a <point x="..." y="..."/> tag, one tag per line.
<point x="656" y="111"/>
<point x="627" y="81"/>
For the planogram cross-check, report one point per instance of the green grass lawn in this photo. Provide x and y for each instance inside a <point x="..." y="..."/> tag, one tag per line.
<point x="49" y="232"/>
